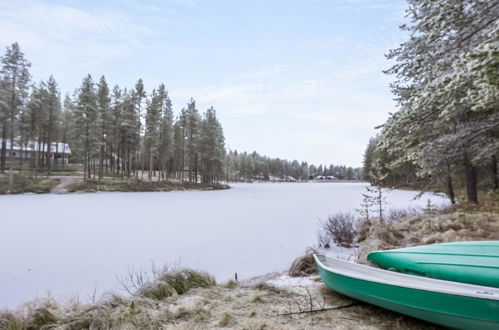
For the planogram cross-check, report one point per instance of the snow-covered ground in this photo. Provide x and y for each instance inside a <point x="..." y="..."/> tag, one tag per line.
<point x="71" y="244"/>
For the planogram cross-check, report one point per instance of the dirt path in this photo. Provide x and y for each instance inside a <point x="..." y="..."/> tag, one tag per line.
<point x="64" y="183"/>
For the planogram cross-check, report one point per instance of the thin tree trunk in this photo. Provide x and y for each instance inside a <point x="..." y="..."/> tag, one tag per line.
<point x="471" y="182"/>
<point x="143" y="162"/>
<point x="12" y="118"/>
<point x="56" y="156"/>
<point x="38" y="154"/>
<point x="20" y="158"/>
<point x="149" y="172"/>
<point x="495" y="178"/>
<point x="3" y="153"/>
<point x="63" y="155"/>
<point x="49" y="139"/>
<point x="101" y="161"/>
<point x="450" y="185"/>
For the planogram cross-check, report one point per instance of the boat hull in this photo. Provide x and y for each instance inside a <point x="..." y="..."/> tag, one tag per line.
<point x="466" y="262"/>
<point x="453" y="311"/>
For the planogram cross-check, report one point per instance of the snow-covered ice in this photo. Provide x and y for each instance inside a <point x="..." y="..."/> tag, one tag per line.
<point x="72" y="244"/>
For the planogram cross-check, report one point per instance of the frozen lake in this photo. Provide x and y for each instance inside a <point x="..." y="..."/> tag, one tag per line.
<point x="69" y="245"/>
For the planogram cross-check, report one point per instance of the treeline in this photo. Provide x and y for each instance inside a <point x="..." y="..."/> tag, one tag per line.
<point x="445" y="134"/>
<point x="117" y="131"/>
<point x="125" y="132"/>
<point x="340" y="172"/>
<point x="253" y="166"/>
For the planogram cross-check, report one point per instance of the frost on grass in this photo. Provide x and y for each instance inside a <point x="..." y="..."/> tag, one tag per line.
<point x="429" y="229"/>
<point x="198" y="303"/>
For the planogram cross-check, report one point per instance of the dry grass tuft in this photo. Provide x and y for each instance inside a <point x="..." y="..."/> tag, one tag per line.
<point x="304" y="265"/>
<point x="227" y="320"/>
<point x="176" y="282"/>
<point x="11" y="321"/>
<point x="40" y="318"/>
<point x="263" y="286"/>
<point x="231" y="284"/>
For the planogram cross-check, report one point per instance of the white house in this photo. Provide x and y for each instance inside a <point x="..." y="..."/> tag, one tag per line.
<point x="324" y="177"/>
<point x="60" y="152"/>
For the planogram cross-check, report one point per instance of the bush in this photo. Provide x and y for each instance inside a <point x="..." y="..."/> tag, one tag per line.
<point x="340" y="228"/>
<point x="26" y="184"/>
<point x="397" y="214"/>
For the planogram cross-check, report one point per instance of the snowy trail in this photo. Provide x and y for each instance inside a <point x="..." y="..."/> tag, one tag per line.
<point x="64" y="183"/>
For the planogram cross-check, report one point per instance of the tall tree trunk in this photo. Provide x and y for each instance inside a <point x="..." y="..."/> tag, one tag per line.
<point x="143" y="165"/>
<point x="450" y="185"/>
<point x="150" y="161"/>
<point x="56" y="156"/>
<point x="196" y="168"/>
<point x="12" y="119"/>
<point x="380" y="204"/>
<point x="38" y="154"/>
<point x="21" y="158"/>
<point x="49" y="139"/>
<point x="64" y="153"/>
<point x="495" y="178"/>
<point x="471" y="182"/>
<point x="101" y="162"/>
<point x="3" y="153"/>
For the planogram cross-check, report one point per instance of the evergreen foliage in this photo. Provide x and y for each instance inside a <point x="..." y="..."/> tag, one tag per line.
<point x="447" y="88"/>
<point x="129" y="133"/>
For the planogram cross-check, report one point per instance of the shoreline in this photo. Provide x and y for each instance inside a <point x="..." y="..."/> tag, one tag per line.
<point x="69" y="184"/>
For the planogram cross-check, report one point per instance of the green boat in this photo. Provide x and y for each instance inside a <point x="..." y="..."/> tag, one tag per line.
<point x="467" y="262"/>
<point x="447" y="303"/>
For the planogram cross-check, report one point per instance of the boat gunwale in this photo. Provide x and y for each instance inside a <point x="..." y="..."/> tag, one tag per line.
<point x="400" y="251"/>
<point x="376" y="275"/>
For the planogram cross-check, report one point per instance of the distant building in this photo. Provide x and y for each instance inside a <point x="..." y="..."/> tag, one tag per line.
<point x="60" y="152"/>
<point x="324" y="177"/>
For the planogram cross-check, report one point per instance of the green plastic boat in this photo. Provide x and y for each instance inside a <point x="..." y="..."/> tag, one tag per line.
<point x="467" y="262"/>
<point x="447" y="303"/>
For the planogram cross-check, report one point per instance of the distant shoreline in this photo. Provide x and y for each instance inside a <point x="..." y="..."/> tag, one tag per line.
<point x="66" y="184"/>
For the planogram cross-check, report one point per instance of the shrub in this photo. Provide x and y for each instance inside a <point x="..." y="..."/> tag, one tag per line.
<point x="340" y="227"/>
<point x="26" y="184"/>
<point x="397" y="214"/>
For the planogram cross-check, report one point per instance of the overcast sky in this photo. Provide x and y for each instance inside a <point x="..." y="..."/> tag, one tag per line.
<point x="295" y="79"/>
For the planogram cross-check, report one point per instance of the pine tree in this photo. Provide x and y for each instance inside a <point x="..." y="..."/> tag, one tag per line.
<point x="153" y="116"/>
<point x="15" y="77"/>
<point x="192" y="131"/>
<point x="139" y="95"/>
<point x="54" y="105"/>
<point x="104" y="104"/>
<point x="211" y="147"/>
<point x="86" y="118"/>
<point x="166" y="135"/>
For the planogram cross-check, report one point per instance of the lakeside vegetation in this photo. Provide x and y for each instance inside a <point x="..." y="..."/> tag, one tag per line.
<point x="24" y="184"/>
<point x="445" y="135"/>
<point x="139" y="185"/>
